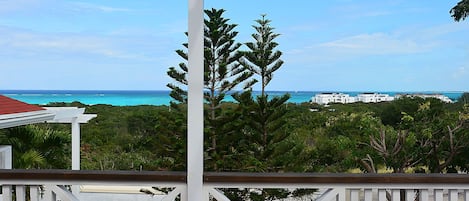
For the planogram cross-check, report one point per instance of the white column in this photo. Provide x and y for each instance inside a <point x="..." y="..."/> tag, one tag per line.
<point x="195" y="114"/>
<point x="6" y="157"/>
<point x="75" y="150"/>
<point x="75" y="144"/>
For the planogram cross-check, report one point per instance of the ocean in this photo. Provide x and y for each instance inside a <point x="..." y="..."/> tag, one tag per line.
<point x="132" y="98"/>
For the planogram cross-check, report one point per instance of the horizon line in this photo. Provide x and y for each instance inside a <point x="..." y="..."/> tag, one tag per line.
<point x="296" y="91"/>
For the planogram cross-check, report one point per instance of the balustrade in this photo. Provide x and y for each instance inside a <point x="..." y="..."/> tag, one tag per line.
<point x="53" y="185"/>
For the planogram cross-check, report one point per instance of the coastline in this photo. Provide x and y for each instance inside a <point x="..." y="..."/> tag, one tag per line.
<point x="161" y="97"/>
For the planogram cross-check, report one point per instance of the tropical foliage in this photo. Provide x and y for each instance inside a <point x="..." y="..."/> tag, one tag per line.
<point x="38" y="147"/>
<point x="260" y="133"/>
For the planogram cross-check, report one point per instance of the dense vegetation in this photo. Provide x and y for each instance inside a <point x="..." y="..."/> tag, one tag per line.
<point x="256" y="133"/>
<point x="405" y="135"/>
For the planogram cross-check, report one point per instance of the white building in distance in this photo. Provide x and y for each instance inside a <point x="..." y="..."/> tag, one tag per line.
<point x="442" y="97"/>
<point x="326" y="98"/>
<point x="374" y="97"/>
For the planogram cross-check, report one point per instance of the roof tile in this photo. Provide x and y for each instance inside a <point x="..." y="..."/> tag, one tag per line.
<point x="12" y="106"/>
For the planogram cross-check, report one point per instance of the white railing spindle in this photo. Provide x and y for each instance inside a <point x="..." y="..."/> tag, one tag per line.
<point x="423" y="195"/>
<point x="368" y="193"/>
<point x="396" y="194"/>
<point x="466" y="195"/>
<point x="410" y="195"/>
<point x="34" y="193"/>
<point x="354" y="194"/>
<point x="382" y="195"/>
<point x="438" y="195"/>
<point x="6" y="193"/>
<point x="20" y="193"/>
<point x="453" y="195"/>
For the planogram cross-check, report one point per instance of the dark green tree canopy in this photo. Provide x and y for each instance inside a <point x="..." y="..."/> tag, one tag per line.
<point x="460" y="11"/>
<point x="262" y="58"/>
<point x="223" y="72"/>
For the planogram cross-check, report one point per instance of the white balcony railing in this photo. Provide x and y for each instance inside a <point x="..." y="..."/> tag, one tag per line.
<point x="53" y="185"/>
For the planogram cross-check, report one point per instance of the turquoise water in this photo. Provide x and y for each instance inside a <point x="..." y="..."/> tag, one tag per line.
<point x="130" y="98"/>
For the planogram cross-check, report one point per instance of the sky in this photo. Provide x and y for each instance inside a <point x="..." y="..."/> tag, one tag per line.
<point x="333" y="45"/>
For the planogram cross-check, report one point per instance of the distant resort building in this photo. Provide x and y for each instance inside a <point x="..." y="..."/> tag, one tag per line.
<point x="437" y="96"/>
<point x="326" y="98"/>
<point x="373" y="97"/>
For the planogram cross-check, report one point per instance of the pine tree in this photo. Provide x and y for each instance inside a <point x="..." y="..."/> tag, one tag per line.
<point x="264" y="115"/>
<point x="262" y="58"/>
<point x="223" y="73"/>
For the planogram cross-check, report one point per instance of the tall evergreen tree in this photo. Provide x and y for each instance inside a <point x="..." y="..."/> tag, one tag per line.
<point x="264" y="115"/>
<point x="223" y="73"/>
<point x="262" y="58"/>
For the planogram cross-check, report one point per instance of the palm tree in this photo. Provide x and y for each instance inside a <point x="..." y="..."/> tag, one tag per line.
<point x="37" y="147"/>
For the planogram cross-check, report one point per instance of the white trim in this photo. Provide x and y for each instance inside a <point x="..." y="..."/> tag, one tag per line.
<point x="25" y="119"/>
<point x="69" y="115"/>
<point x="82" y="119"/>
<point x="22" y="114"/>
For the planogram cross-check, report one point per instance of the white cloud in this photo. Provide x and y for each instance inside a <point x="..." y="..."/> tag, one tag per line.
<point x="375" y="44"/>
<point x="82" y="6"/>
<point x="358" y="46"/>
<point x="22" y="42"/>
<point x="403" y="41"/>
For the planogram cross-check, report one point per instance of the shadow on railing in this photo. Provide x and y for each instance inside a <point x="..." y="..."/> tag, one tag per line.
<point x="25" y="185"/>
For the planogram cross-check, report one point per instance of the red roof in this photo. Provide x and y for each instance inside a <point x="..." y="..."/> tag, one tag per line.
<point x="12" y="106"/>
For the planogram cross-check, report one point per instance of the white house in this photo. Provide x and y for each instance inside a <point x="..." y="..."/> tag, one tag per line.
<point x="437" y="96"/>
<point x="326" y="98"/>
<point x="374" y="97"/>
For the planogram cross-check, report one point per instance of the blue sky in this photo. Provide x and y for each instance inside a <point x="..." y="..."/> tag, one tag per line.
<point x="334" y="45"/>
